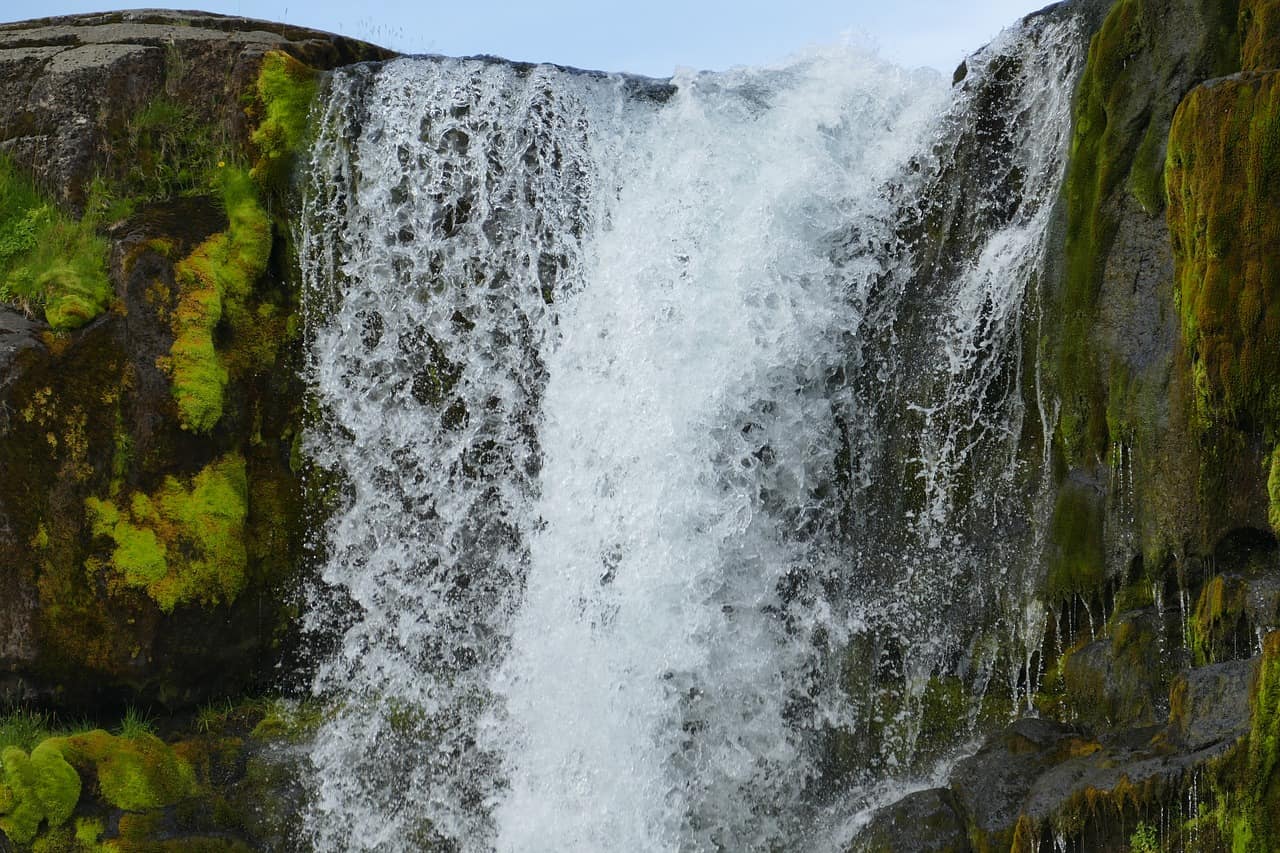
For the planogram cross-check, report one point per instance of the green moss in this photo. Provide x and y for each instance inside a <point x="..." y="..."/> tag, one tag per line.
<point x="286" y="89"/>
<point x="134" y="774"/>
<point x="1144" y="839"/>
<point x="1259" y="26"/>
<point x="46" y="258"/>
<point x="1101" y="153"/>
<point x="1223" y="174"/>
<point x="1123" y="105"/>
<point x="1273" y="490"/>
<point x="290" y="721"/>
<point x="42" y="787"/>
<point x="1219" y="611"/>
<point x="185" y="542"/>
<point x="217" y="278"/>
<point x="1245" y="785"/>
<point x="88" y="831"/>
<point x="944" y="716"/>
<point x="1077" y="563"/>
<point x="1146" y="178"/>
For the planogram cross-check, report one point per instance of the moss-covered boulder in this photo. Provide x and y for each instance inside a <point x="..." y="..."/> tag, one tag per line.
<point x="226" y="782"/>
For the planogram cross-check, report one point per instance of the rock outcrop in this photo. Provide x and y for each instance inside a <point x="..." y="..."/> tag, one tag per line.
<point x="1155" y="691"/>
<point x="150" y="497"/>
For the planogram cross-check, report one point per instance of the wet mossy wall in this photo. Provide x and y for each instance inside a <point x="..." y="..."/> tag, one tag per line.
<point x="151" y="504"/>
<point x="152" y="533"/>
<point x="1161" y="341"/>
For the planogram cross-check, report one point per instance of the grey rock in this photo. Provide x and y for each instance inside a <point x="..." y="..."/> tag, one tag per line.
<point x="925" y="822"/>
<point x="992" y="785"/>
<point x="65" y="82"/>
<point x="1123" y="680"/>
<point x="17" y="335"/>
<point x="1215" y="704"/>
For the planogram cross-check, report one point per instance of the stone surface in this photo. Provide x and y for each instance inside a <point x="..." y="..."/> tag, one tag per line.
<point x="924" y="822"/>
<point x="1214" y="705"/>
<point x="90" y="415"/>
<point x="68" y="82"/>
<point x="992" y="785"/>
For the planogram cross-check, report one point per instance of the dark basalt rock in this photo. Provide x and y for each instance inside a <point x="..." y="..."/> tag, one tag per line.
<point x="925" y="822"/>
<point x="992" y="785"/>
<point x="90" y="414"/>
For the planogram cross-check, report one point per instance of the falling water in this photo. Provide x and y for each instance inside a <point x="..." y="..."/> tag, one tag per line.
<point x="609" y="375"/>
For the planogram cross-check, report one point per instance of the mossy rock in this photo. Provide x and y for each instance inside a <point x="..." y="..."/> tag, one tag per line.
<point x="1077" y="562"/>
<point x="1224" y="186"/>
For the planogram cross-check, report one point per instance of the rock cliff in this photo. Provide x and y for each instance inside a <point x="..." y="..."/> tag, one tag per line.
<point x="151" y="509"/>
<point x="153" y="520"/>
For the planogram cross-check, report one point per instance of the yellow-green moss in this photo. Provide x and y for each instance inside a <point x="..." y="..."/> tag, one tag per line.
<point x="1244" y="785"/>
<point x="1259" y="26"/>
<point x="185" y="542"/>
<point x="1223" y="175"/>
<point x="217" y="278"/>
<point x="41" y="787"/>
<point x="134" y="774"/>
<point x="1273" y="490"/>
<point x="286" y="88"/>
<point x="1218" y="613"/>
<point x="1099" y="161"/>
<point x="1122" y="108"/>
<point x="46" y="258"/>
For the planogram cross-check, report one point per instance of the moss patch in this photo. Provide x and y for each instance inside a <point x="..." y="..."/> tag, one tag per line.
<point x="216" y="279"/>
<point x="1218" y="620"/>
<point x="37" y="788"/>
<point x="48" y="259"/>
<point x="133" y="774"/>
<point x="1259" y="26"/>
<point x="286" y="89"/>
<point x="1223" y="175"/>
<point x="1243" y="809"/>
<point x="185" y="542"/>
<point x="1077" y="560"/>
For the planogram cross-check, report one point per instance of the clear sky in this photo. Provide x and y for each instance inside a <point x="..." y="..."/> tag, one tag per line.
<point x="651" y="37"/>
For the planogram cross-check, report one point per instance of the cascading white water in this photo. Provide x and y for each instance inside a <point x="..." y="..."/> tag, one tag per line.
<point x="584" y="349"/>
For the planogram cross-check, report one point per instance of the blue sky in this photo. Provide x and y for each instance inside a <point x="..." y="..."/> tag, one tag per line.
<point x="643" y="36"/>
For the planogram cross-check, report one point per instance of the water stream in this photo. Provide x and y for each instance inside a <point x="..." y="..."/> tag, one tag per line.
<point x="644" y="403"/>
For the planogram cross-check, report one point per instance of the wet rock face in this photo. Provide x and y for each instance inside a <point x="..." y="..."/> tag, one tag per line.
<point x="926" y="822"/>
<point x="67" y="83"/>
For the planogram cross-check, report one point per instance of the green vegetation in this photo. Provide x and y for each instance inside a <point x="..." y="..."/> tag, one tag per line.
<point x="135" y="724"/>
<point x="47" y="259"/>
<point x="215" y="280"/>
<point x="1223" y="174"/>
<point x="1244" y="785"/>
<point x="24" y="729"/>
<point x="1144" y="839"/>
<point x="37" y="787"/>
<point x="1077" y="562"/>
<point x="1218" y="618"/>
<point x="185" y="542"/>
<point x="1259" y="27"/>
<point x="1101" y="154"/>
<point x="286" y="88"/>
<point x="1273" y="490"/>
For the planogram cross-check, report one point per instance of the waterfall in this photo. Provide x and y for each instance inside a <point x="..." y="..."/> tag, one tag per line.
<point x="616" y="386"/>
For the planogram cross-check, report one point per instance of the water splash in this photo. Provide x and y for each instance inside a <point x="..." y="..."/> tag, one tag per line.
<point x="618" y="382"/>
